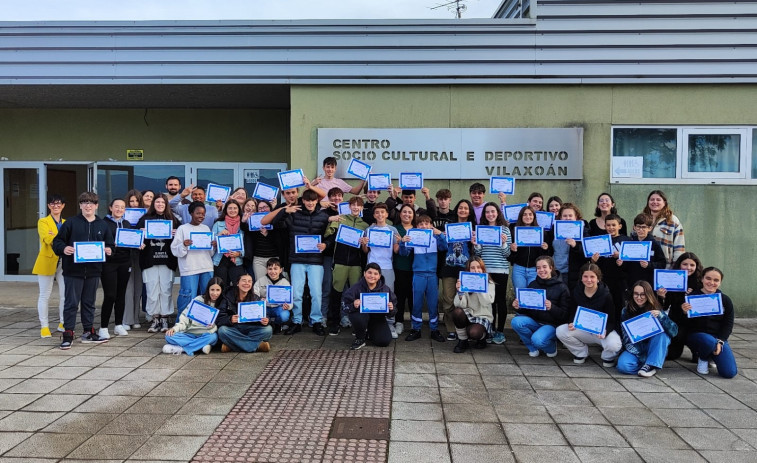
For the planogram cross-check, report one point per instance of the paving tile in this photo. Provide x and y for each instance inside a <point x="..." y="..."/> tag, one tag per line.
<point x="81" y="423"/>
<point x="507" y="382"/>
<point x="483" y="413"/>
<point x="200" y="425"/>
<point x="206" y="363"/>
<point x="499" y="369"/>
<point x="539" y="454"/>
<point x="61" y="372"/>
<point x="108" y="446"/>
<point x="696" y="384"/>
<point x="418" y="452"/>
<point x="598" y="384"/>
<point x="457" y="369"/>
<point x="733" y="386"/>
<point x="712" y="439"/>
<point x="613" y="399"/>
<point x="81" y="361"/>
<point x="5" y="383"/>
<point x="718" y="400"/>
<point x="465" y="453"/>
<point x="36" y="386"/>
<point x="159" y="405"/>
<point x="533" y="434"/>
<point x="169" y="448"/>
<point x="748" y="435"/>
<point x="83" y="386"/>
<point x="42" y="361"/>
<point x="106" y="404"/>
<point x="519" y="398"/>
<point x="652" y="437"/>
<point x="592" y="435"/>
<point x="574" y="398"/>
<point x="16" y="401"/>
<point x="469" y="382"/>
<point x="576" y="415"/>
<point x="136" y="388"/>
<point x="717" y="456"/>
<point x="631" y="416"/>
<point x="415" y="394"/>
<point x="8" y="440"/>
<point x="207" y="406"/>
<point x="415" y="380"/>
<point x="134" y="424"/>
<point x="476" y="433"/>
<point x="542" y="370"/>
<point x="236" y="376"/>
<point x="107" y="373"/>
<point x="231" y="390"/>
<point x="126" y="362"/>
<point x="178" y="389"/>
<point x="194" y="376"/>
<point x="547" y="383"/>
<point x="149" y="374"/>
<point x="663" y="400"/>
<point x="21" y="372"/>
<point x="417" y="411"/>
<point x="48" y="445"/>
<point x="12" y="359"/>
<point x="56" y="403"/>
<point x="686" y="418"/>
<point x="604" y="454"/>
<point x="418" y="431"/>
<point x="585" y="371"/>
<point x="508" y="413"/>
<point x="643" y="384"/>
<point x="413" y="367"/>
<point x="28" y="421"/>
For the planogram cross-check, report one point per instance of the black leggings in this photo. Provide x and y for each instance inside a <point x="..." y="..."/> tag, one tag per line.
<point x="228" y="272"/>
<point x="114" y="278"/>
<point x="403" y="289"/>
<point x="475" y="331"/>
<point x="374" y="325"/>
<point x="499" y="309"/>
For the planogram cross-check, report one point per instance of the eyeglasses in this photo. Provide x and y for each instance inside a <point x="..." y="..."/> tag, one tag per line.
<point x="639" y="295"/>
<point x="87" y="203"/>
<point x="55" y="204"/>
<point x="640" y="227"/>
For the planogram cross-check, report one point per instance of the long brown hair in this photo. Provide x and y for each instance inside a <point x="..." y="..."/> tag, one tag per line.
<point x="652" y="302"/>
<point x="665" y="213"/>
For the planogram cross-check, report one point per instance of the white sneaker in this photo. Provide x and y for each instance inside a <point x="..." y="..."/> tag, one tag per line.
<point x="533" y="353"/>
<point x="399" y="327"/>
<point x="552" y="355"/>
<point x="60" y="328"/>
<point x="206" y="349"/>
<point x="126" y="327"/>
<point x="171" y="349"/>
<point x="703" y="367"/>
<point x="393" y="330"/>
<point x="102" y="333"/>
<point x="136" y="326"/>
<point x="119" y="330"/>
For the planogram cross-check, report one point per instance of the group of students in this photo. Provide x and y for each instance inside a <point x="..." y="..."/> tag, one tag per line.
<point x="414" y="276"/>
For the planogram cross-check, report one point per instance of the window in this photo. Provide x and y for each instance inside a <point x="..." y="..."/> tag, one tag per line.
<point x="657" y="147"/>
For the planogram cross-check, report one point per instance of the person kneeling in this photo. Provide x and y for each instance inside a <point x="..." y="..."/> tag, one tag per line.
<point x="241" y="337"/>
<point x="189" y="336"/>
<point x="472" y="314"/>
<point x="371" y="324"/>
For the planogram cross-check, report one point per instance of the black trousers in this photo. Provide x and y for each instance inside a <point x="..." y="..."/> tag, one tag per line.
<point x="114" y="279"/>
<point x="403" y="289"/>
<point x="373" y="325"/>
<point x="80" y="290"/>
<point x="499" y="309"/>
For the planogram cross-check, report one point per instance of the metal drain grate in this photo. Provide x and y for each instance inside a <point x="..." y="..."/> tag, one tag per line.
<point x="359" y="428"/>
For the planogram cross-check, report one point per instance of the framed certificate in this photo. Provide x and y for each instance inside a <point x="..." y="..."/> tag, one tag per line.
<point x="344" y="209"/>
<point x="533" y="299"/>
<point x="511" y="212"/>
<point x="374" y="302"/>
<point x="201" y="313"/>
<point x="471" y="282"/>
<point x="378" y="182"/>
<point x="545" y="219"/>
<point x="291" y="179"/>
<point x="275" y="294"/>
<point x="419" y="237"/>
<point x="411" y="180"/>
<point x="129" y="238"/>
<point x="230" y="243"/>
<point x="642" y="327"/>
<point x="253" y="223"/>
<point x="489" y="235"/>
<point x="158" y="229"/>
<point x="590" y="321"/>
<point x="133" y="214"/>
<point x="217" y="193"/>
<point x="250" y="312"/>
<point x="705" y="305"/>
<point x="305" y="244"/>
<point x="89" y="251"/>
<point x="569" y="229"/>
<point x="265" y="192"/>
<point x="458" y="231"/>
<point x="378" y="238"/>
<point x="601" y="244"/>
<point x="672" y="280"/>
<point x="201" y="241"/>
<point x="504" y="185"/>
<point x="635" y="251"/>
<point x="359" y="169"/>
<point x="349" y="236"/>
<point x="529" y="236"/>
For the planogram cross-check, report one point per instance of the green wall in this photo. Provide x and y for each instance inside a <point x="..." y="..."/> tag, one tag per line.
<point x="713" y="216"/>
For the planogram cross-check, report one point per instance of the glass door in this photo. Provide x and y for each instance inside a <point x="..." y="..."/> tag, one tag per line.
<point x="24" y="206"/>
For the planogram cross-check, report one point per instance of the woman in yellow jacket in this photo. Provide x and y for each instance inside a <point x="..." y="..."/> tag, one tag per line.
<point x="48" y="265"/>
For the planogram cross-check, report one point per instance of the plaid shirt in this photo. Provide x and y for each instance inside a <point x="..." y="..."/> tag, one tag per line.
<point x="670" y="237"/>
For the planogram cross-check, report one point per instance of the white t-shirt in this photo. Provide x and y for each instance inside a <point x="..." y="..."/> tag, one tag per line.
<point x="382" y="256"/>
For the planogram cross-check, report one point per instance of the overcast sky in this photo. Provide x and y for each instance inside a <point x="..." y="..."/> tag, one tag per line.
<point x="74" y="10"/>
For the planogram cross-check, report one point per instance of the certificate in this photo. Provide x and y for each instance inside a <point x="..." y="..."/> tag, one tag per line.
<point x="217" y="193"/>
<point x="458" y="231"/>
<point x="569" y="229"/>
<point x="511" y="212"/>
<point x="672" y="280"/>
<point x="377" y="182"/>
<point x="344" y="209"/>
<point x="253" y="223"/>
<point x="534" y="299"/>
<point x="378" y="238"/>
<point x="591" y="321"/>
<point x="158" y="229"/>
<point x="359" y="169"/>
<point x="229" y="243"/>
<point x="529" y="236"/>
<point x="374" y="302"/>
<point x="291" y="179"/>
<point x="489" y="235"/>
<point x="411" y="180"/>
<point x="471" y="282"/>
<point x="201" y="313"/>
<point x="249" y="312"/>
<point x="642" y="327"/>
<point x="266" y="192"/>
<point x="133" y="214"/>
<point x="504" y="185"/>
<point x="705" y="305"/>
<point x="275" y="294"/>
<point x="601" y="244"/>
<point x="129" y="238"/>
<point x="545" y="219"/>
<point x="89" y="251"/>
<point x="419" y="238"/>
<point x="635" y="250"/>
<point x="307" y="243"/>
<point x="201" y="241"/>
<point x="349" y="236"/>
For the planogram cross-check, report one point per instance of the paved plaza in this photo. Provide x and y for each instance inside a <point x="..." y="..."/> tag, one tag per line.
<point x="311" y="400"/>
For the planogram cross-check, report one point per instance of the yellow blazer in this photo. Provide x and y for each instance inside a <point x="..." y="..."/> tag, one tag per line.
<point x="47" y="261"/>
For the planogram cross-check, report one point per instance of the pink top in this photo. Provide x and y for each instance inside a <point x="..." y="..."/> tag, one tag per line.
<point x="327" y="184"/>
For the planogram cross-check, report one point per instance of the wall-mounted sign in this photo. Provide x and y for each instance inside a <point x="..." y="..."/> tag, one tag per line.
<point x="135" y="155"/>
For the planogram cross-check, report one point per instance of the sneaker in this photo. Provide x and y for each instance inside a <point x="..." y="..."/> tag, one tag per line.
<point x="264" y="346"/>
<point x="553" y="354"/>
<point x="435" y="335"/>
<point x="90" y="337"/>
<point x="102" y="333"/>
<point x="703" y="367"/>
<point x="171" y="349"/>
<point x="489" y="339"/>
<point x="579" y="360"/>
<point x="126" y="327"/>
<point x="225" y="348"/>
<point x="399" y="327"/>
<point x="462" y="346"/>
<point x="45" y="332"/>
<point x="68" y="340"/>
<point x="119" y="330"/>
<point x="357" y="344"/>
<point x="334" y="330"/>
<point x="608" y="363"/>
<point x="295" y="328"/>
<point x="533" y="353"/>
<point x="155" y="326"/>
<point x="414" y="335"/>
<point x="647" y="371"/>
<point x="163" y="324"/>
<point x="480" y="344"/>
<point x="451" y="336"/>
<point x="393" y="331"/>
<point x="61" y="328"/>
<point x="136" y="326"/>
<point x="345" y="322"/>
<point x="318" y="329"/>
<point x="498" y="338"/>
<point x="284" y="328"/>
<point x="206" y="348"/>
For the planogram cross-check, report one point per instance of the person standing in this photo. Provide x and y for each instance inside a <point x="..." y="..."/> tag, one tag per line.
<point x="48" y="266"/>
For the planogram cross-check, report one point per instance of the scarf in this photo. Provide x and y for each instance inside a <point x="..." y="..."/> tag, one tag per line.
<point x="232" y="224"/>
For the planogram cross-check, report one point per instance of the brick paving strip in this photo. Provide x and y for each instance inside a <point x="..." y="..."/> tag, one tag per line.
<point x="307" y="405"/>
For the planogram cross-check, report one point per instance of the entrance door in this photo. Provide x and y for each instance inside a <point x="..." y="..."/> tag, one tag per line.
<point x="21" y="191"/>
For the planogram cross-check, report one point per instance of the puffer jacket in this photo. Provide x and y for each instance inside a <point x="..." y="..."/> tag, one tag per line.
<point x="353" y="292"/>
<point x="558" y="294"/>
<point x="303" y="222"/>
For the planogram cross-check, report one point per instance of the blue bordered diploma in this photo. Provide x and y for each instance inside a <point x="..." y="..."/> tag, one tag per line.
<point x="489" y="235"/>
<point x="642" y="327"/>
<point x="307" y="243"/>
<point x="229" y="243"/>
<point x="512" y="211"/>
<point x="359" y="169"/>
<point x="275" y="294"/>
<point x="529" y="236"/>
<point x="419" y="237"/>
<point x="344" y="209"/>
<point x="569" y="229"/>
<point x="534" y="299"/>
<point x="250" y="312"/>
<point x="129" y="238"/>
<point x="601" y="244"/>
<point x="349" y="236"/>
<point x="545" y="219"/>
<point x="133" y="214"/>
<point x="201" y="241"/>
<point x="266" y="192"/>
<point x="411" y="180"/>
<point x="504" y="185"/>
<point x="471" y="282"/>
<point x="89" y="251"/>
<point x="253" y="223"/>
<point x="378" y="238"/>
<point x="635" y="251"/>
<point x="201" y="313"/>
<point x="377" y="182"/>
<point x="217" y="193"/>
<point x="158" y="229"/>
<point x="591" y="321"/>
<point x="291" y="179"/>
<point x="458" y="231"/>
<point x="705" y="305"/>
<point x="374" y="302"/>
<point x="671" y="280"/>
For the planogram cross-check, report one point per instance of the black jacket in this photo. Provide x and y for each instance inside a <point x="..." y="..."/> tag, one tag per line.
<point x="558" y="294"/>
<point x="394" y="209"/>
<point x="601" y="301"/>
<point x="634" y="271"/>
<point x="526" y="256"/>
<point x="75" y="229"/>
<point x="349" y="296"/>
<point x="228" y="307"/>
<point x="119" y="255"/>
<point x="157" y="252"/>
<point x="303" y="222"/>
<point x="719" y="326"/>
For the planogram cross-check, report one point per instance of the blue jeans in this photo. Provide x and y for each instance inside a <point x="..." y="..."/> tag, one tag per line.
<point x="278" y="314"/>
<point x="328" y="262"/>
<point x="314" y="276"/>
<point x="522" y="276"/>
<point x="191" y="286"/>
<point x="657" y="349"/>
<point x="704" y="344"/>
<point x="535" y="336"/>
<point x="244" y="337"/>
<point x="191" y="343"/>
<point x="425" y="283"/>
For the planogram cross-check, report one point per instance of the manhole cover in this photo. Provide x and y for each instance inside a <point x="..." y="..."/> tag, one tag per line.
<point x="360" y="428"/>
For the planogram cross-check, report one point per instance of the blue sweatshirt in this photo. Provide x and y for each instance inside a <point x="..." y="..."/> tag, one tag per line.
<point x="425" y="259"/>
